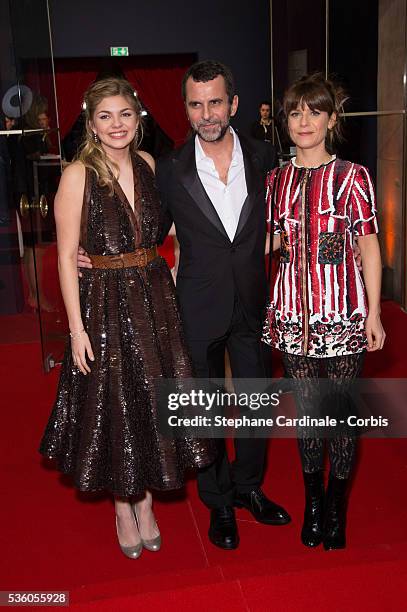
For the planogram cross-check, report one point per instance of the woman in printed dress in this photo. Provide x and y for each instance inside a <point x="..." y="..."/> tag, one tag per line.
<point x="323" y="316"/>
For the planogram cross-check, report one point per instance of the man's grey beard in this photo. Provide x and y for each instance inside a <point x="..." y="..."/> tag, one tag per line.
<point x="213" y="137"/>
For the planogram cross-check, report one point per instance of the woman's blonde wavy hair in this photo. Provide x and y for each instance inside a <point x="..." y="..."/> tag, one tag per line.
<point x="91" y="152"/>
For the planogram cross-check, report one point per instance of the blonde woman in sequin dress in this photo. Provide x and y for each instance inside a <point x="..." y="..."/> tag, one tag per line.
<point x="125" y="330"/>
<point x="323" y="316"/>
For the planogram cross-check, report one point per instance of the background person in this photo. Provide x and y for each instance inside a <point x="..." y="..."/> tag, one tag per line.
<point x="262" y="129"/>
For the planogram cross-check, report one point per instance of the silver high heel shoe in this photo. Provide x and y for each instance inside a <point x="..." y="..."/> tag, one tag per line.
<point x="154" y="544"/>
<point x="132" y="552"/>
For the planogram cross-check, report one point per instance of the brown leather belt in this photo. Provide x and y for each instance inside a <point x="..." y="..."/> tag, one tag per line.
<point x="138" y="258"/>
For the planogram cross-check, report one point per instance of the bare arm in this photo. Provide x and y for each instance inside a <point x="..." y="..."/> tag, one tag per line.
<point x="68" y="208"/>
<point x="148" y="158"/>
<point x="372" y="274"/>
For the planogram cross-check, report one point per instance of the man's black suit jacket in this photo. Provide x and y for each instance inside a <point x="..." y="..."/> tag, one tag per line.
<point x="212" y="269"/>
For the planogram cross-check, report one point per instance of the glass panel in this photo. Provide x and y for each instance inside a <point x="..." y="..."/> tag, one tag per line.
<point x="391" y="167"/>
<point x="35" y="166"/>
<point x="392" y="54"/>
<point x="18" y="297"/>
<point x="298" y="48"/>
<point x="377" y="142"/>
<point x="355" y="64"/>
<point x="298" y="41"/>
<point x="360" y="141"/>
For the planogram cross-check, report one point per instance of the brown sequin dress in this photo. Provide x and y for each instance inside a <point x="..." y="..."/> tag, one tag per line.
<point x="103" y="429"/>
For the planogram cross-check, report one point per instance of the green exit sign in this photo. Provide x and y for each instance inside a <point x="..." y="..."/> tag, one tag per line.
<point x="119" y="51"/>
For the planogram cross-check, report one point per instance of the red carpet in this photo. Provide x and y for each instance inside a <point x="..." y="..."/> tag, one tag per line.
<point x="53" y="538"/>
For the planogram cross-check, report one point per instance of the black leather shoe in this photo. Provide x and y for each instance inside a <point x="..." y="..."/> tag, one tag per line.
<point x="262" y="508"/>
<point x="335" y="513"/>
<point x="311" y="533"/>
<point x="223" y="529"/>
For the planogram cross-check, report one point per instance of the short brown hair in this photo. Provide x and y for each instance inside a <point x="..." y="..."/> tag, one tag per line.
<point x="207" y="70"/>
<point x="320" y="94"/>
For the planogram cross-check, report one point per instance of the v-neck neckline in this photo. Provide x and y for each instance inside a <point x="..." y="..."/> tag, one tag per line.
<point x="120" y="191"/>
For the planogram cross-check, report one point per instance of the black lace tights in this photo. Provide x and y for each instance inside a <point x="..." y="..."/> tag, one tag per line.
<point x="309" y="387"/>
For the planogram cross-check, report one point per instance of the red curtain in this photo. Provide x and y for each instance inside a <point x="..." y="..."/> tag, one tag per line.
<point x="160" y="91"/>
<point x="156" y="79"/>
<point x="70" y="86"/>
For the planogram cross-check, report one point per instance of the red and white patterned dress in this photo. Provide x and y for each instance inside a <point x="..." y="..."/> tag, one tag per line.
<point x="319" y="304"/>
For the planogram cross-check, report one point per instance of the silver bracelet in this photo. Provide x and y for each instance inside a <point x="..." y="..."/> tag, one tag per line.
<point x="76" y="335"/>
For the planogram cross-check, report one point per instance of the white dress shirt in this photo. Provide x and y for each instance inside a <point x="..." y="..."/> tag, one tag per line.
<point x="227" y="199"/>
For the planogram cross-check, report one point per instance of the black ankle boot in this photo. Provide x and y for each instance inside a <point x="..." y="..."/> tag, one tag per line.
<point x="311" y="533"/>
<point x="335" y="513"/>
